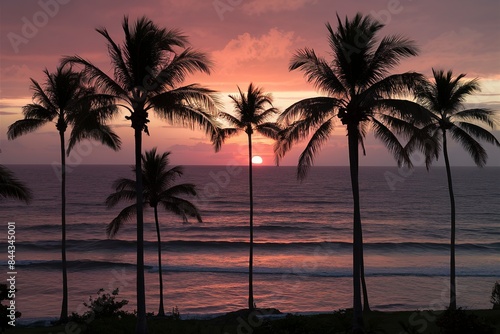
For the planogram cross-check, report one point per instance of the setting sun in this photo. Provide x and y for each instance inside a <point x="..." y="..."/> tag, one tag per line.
<point x="257" y="160"/>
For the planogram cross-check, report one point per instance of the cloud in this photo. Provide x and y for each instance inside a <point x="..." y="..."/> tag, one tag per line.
<point x="5" y="113"/>
<point x="16" y="73"/>
<point x="458" y="50"/>
<point x="274" y="45"/>
<point x="263" y="6"/>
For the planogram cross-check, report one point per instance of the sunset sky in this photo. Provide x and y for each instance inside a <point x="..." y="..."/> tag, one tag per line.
<point x="249" y="41"/>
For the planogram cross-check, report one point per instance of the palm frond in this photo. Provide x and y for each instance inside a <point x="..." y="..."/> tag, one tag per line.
<point x="182" y="208"/>
<point x="426" y="140"/>
<point x="392" y="143"/>
<point x="318" y="139"/>
<point x="178" y="189"/>
<point x="187" y="62"/>
<point x="315" y="108"/>
<point x="485" y="116"/>
<point x="408" y="110"/>
<point x="270" y="130"/>
<point x="119" y="196"/>
<point x="121" y="72"/>
<point x="317" y="72"/>
<point x="394" y="85"/>
<point x="478" y="132"/>
<point x="125" y="215"/>
<point x="296" y="132"/>
<point x="98" y="132"/>
<point x="11" y="187"/>
<point x="389" y="53"/>
<point x="474" y="148"/>
<point x="24" y="126"/>
<point x="232" y="120"/>
<point x="99" y="79"/>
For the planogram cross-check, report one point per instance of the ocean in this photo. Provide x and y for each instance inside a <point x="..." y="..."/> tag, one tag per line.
<point x="303" y="233"/>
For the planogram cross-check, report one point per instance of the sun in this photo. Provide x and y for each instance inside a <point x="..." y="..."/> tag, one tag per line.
<point x="256" y="160"/>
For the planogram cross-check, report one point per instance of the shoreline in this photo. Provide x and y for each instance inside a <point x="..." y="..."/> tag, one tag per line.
<point x="257" y="322"/>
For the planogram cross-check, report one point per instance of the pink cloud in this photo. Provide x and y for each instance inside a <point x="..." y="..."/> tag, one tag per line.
<point x="276" y="44"/>
<point x="263" y="6"/>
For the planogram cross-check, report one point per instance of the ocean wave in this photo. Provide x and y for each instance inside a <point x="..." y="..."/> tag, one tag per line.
<point x="284" y="273"/>
<point x="118" y="245"/>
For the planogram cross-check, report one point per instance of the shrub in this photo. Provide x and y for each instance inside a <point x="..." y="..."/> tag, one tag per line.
<point x="4" y="309"/>
<point x="495" y="296"/>
<point x="104" y="305"/>
<point x="459" y="322"/>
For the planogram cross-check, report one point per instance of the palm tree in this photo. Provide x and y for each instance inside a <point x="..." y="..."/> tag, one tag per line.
<point x="147" y="72"/>
<point x="159" y="188"/>
<point x="251" y="113"/>
<point x="10" y="187"/>
<point x="360" y="92"/>
<point x="443" y="102"/>
<point x="64" y="100"/>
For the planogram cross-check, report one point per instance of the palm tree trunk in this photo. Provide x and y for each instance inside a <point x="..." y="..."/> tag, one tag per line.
<point x="251" y="304"/>
<point x="366" y="304"/>
<point x="453" y="291"/>
<point x="64" y="309"/>
<point x="352" y="133"/>
<point x="161" y="311"/>
<point x="141" y="327"/>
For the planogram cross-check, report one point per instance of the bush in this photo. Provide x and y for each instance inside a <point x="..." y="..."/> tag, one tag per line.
<point x="4" y="309"/>
<point x="459" y="322"/>
<point x="104" y="305"/>
<point x="495" y="296"/>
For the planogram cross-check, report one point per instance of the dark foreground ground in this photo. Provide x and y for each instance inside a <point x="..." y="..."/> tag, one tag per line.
<point x="261" y="322"/>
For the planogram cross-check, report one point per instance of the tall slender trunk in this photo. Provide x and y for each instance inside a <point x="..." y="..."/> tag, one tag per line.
<point x="453" y="288"/>
<point x="64" y="309"/>
<point x="366" y="304"/>
<point x="251" y="304"/>
<point x="161" y="310"/>
<point x="352" y="134"/>
<point x="141" y="327"/>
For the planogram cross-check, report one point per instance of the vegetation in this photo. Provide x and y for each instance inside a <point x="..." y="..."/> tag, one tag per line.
<point x="495" y="296"/>
<point x="443" y="101"/>
<point x="10" y="187"/>
<point x="361" y="94"/>
<point x="148" y="72"/>
<point x="251" y="113"/>
<point x="159" y="188"/>
<point x="336" y="322"/>
<point x="5" y="310"/>
<point x="457" y="321"/>
<point x="64" y="99"/>
<point x="103" y="306"/>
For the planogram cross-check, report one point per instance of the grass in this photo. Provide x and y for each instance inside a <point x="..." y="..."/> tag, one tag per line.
<point x="243" y="322"/>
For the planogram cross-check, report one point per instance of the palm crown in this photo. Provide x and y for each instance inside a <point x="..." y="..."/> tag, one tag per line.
<point x="252" y="111"/>
<point x="145" y="80"/>
<point x="159" y="189"/>
<point x="443" y="100"/>
<point x="66" y="101"/>
<point x="359" y="91"/>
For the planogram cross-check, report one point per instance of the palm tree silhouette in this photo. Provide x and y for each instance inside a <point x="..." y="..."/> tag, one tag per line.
<point x="362" y="94"/>
<point x="64" y="100"/>
<point x="251" y="113"/>
<point x="147" y="74"/>
<point x="10" y="187"/>
<point x="159" y="188"/>
<point x="443" y="102"/>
